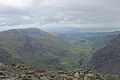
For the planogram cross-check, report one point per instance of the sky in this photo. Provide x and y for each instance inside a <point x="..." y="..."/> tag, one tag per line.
<point x="59" y="13"/>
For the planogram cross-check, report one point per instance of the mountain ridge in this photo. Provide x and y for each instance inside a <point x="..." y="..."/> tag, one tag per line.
<point x="43" y="49"/>
<point x="107" y="59"/>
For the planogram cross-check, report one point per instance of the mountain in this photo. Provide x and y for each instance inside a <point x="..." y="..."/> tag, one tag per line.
<point x="95" y="40"/>
<point x="5" y="57"/>
<point x="31" y="45"/>
<point x="62" y="30"/>
<point x="73" y="29"/>
<point x="107" y="59"/>
<point x="45" y="50"/>
<point x="90" y="36"/>
<point x="101" y="41"/>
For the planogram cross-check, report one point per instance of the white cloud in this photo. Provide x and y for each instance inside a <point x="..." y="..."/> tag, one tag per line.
<point x="75" y="13"/>
<point x="26" y="17"/>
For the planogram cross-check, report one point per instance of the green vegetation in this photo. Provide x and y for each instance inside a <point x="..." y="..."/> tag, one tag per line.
<point x="51" y="51"/>
<point x="37" y="48"/>
<point x="111" y="77"/>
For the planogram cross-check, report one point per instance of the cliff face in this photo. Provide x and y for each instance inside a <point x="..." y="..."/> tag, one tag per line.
<point x="107" y="59"/>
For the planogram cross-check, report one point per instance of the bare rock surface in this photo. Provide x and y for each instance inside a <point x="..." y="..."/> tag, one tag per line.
<point x="20" y="72"/>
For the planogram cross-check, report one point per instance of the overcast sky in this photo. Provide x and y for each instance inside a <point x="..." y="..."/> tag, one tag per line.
<point x="59" y="13"/>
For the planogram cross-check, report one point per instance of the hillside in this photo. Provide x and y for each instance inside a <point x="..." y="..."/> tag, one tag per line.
<point x="102" y="41"/>
<point x="95" y="40"/>
<point x="41" y="49"/>
<point x="47" y="50"/>
<point x="107" y="59"/>
<point x="5" y="57"/>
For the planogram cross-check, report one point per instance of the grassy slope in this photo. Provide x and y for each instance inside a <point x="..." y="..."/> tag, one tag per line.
<point x="46" y="51"/>
<point x="52" y="51"/>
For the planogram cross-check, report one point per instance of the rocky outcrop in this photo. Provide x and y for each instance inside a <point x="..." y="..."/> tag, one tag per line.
<point x="20" y="72"/>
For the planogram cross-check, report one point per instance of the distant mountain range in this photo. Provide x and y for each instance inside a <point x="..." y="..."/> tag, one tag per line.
<point x="70" y="29"/>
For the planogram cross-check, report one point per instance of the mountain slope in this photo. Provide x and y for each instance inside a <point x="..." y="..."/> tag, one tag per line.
<point x="28" y="44"/>
<point x="101" y="42"/>
<point x="6" y="58"/>
<point x="107" y="59"/>
<point x="42" y="49"/>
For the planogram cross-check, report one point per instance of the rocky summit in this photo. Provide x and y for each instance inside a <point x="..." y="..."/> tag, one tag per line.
<point x="20" y="72"/>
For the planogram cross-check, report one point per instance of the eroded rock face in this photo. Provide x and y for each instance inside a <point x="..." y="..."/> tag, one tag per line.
<point x="20" y="72"/>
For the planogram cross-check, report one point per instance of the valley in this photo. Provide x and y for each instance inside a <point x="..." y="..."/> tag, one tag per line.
<point x="56" y="52"/>
<point x="51" y="50"/>
<point x="59" y="39"/>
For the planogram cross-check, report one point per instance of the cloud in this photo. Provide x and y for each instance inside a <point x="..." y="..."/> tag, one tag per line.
<point x="26" y="17"/>
<point x="15" y="3"/>
<point x="75" y="13"/>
